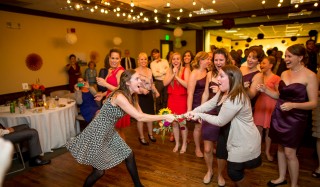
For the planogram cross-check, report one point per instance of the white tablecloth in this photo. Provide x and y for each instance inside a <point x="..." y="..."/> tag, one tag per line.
<point x="55" y="126"/>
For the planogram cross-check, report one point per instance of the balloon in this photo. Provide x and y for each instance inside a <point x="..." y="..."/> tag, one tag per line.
<point x="178" y="43"/>
<point x="71" y="38"/>
<point x="177" y="32"/>
<point x="117" y="40"/>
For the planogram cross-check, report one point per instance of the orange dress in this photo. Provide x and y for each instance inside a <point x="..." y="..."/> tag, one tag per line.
<point x="265" y="104"/>
<point x="112" y="79"/>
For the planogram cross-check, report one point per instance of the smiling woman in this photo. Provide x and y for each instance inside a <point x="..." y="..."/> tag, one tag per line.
<point x="99" y="145"/>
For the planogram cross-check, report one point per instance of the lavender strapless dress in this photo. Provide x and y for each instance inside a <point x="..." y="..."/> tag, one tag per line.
<point x="287" y="127"/>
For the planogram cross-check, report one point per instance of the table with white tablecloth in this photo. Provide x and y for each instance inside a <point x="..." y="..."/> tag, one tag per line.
<point x="55" y="125"/>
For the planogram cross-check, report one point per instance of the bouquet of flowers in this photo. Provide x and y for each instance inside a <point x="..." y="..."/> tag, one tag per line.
<point x="165" y="126"/>
<point x="37" y="88"/>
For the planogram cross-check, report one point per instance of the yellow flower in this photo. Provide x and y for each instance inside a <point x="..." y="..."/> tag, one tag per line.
<point x="164" y="111"/>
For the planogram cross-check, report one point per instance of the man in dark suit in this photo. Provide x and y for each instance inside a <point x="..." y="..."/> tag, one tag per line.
<point x="128" y="62"/>
<point x="21" y="133"/>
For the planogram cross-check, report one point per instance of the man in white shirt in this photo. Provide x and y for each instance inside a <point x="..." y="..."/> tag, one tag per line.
<point x="128" y="62"/>
<point x="159" y="69"/>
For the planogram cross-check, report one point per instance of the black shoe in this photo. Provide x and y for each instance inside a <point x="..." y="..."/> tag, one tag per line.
<point x="38" y="162"/>
<point x="143" y="141"/>
<point x="271" y="184"/>
<point x="151" y="138"/>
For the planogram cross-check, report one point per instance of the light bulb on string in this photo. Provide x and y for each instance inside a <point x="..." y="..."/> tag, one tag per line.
<point x="296" y="5"/>
<point x="213" y="2"/>
<point x="155" y="11"/>
<point x="194" y="3"/>
<point x="132" y="4"/>
<point x="263" y="2"/>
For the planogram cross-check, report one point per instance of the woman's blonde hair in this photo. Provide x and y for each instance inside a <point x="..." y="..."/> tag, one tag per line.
<point x="235" y="84"/>
<point x="140" y="55"/>
<point x="199" y="56"/>
<point x="171" y="65"/>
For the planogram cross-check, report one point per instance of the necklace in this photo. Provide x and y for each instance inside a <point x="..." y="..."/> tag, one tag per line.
<point x="297" y="69"/>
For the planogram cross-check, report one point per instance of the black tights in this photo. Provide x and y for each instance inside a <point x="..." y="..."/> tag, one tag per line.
<point x="96" y="174"/>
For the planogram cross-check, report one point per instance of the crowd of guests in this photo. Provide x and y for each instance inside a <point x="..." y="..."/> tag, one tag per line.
<point x="232" y="101"/>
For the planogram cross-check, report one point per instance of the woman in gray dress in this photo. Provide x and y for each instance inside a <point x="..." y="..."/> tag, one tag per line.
<point x="99" y="145"/>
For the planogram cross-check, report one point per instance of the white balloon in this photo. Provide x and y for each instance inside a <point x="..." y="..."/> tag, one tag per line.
<point x="117" y="40"/>
<point x="177" y="32"/>
<point x="71" y="38"/>
<point x="178" y="43"/>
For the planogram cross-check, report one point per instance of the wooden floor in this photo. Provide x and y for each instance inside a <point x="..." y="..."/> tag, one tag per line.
<point x="157" y="165"/>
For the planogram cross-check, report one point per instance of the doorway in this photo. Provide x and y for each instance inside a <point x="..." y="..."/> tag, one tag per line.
<point x="165" y="47"/>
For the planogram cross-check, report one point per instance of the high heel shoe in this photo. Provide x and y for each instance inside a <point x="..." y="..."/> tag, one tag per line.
<point x="151" y="138"/>
<point x="143" y="141"/>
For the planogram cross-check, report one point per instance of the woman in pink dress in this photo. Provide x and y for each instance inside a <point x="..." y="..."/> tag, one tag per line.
<point x="111" y="83"/>
<point x="266" y="101"/>
<point x="176" y="79"/>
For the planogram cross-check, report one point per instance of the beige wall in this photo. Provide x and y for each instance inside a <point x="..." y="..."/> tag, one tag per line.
<point x="46" y="37"/>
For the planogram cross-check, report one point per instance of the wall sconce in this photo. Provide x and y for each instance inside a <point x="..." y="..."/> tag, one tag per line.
<point x="71" y="36"/>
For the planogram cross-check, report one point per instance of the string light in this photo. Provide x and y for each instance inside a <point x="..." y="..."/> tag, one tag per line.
<point x="102" y="10"/>
<point x="263" y="2"/>
<point x="181" y="10"/>
<point x="315" y="4"/>
<point x="88" y="1"/>
<point x="194" y="3"/>
<point x="92" y="10"/>
<point x="141" y="13"/>
<point x="296" y="6"/>
<point x="178" y="18"/>
<point x="213" y="2"/>
<point x="168" y="15"/>
<point x="279" y="5"/>
<point x="190" y="15"/>
<point x="155" y="11"/>
<point x="168" y="4"/>
<point x="68" y="1"/>
<point x="132" y="4"/>
<point x="168" y="20"/>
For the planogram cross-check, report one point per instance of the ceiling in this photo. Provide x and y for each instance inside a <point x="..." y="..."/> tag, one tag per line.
<point x="251" y="17"/>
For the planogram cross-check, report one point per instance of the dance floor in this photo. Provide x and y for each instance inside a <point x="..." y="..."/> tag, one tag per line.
<point x="157" y="165"/>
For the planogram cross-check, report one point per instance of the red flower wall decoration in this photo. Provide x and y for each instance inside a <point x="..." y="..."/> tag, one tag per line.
<point x="34" y="62"/>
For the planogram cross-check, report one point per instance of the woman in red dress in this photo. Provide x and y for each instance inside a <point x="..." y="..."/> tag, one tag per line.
<point x="176" y="79"/>
<point x="111" y="83"/>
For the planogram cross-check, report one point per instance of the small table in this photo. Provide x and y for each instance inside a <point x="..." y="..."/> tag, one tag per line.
<point x="55" y="126"/>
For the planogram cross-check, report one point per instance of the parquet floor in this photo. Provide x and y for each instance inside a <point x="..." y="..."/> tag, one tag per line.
<point x="157" y="165"/>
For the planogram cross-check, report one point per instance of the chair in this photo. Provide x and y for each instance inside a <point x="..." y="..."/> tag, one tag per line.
<point x="60" y="93"/>
<point x="19" y="154"/>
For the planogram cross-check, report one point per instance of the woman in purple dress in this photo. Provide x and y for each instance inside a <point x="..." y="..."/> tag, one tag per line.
<point x="195" y="88"/>
<point x="298" y="93"/>
<point x="210" y="132"/>
<point x="251" y="74"/>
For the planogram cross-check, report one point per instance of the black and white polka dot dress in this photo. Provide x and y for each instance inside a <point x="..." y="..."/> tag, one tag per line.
<point x="99" y="145"/>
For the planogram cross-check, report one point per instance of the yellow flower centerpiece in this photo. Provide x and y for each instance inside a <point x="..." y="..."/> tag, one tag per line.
<point x="164" y="126"/>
